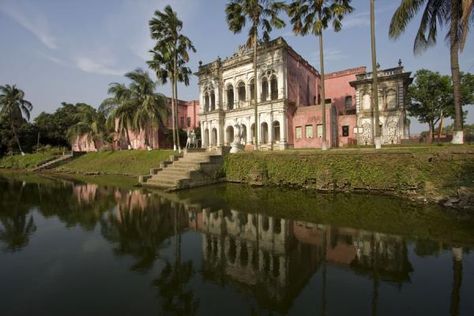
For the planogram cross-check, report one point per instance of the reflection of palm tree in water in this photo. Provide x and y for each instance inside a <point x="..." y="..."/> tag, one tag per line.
<point x="16" y="227"/>
<point x="16" y="231"/>
<point x="457" y="281"/>
<point x="174" y="277"/>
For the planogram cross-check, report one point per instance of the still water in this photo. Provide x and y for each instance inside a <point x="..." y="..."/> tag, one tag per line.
<point x="76" y="248"/>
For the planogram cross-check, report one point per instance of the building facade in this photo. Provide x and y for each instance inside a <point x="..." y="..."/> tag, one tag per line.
<point x="289" y="102"/>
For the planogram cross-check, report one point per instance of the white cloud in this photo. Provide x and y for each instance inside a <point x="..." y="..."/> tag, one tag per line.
<point x="31" y="20"/>
<point x="362" y="19"/>
<point x="86" y="64"/>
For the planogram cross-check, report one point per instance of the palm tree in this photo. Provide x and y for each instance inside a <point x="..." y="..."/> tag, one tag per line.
<point x="313" y="16"/>
<point x="90" y="122"/>
<point x="150" y="107"/>
<point x="13" y="107"/>
<point x="170" y="55"/>
<point x="375" y="85"/>
<point x="454" y="13"/>
<point x="260" y="14"/>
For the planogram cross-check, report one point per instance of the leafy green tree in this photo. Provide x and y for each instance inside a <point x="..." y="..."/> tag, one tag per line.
<point x="260" y="14"/>
<point x="313" y="17"/>
<point x="13" y="107"/>
<point x="53" y="127"/>
<point x="456" y="14"/>
<point x="430" y="98"/>
<point x="170" y="55"/>
<point x="90" y="123"/>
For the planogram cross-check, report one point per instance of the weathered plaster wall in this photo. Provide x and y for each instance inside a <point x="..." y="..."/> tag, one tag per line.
<point x="338" y="87"/>
<point x="303" y="81"/>
<point x="310" y="116"/>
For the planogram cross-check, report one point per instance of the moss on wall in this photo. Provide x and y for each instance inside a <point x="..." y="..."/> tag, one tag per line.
<point x="434" y="173"/>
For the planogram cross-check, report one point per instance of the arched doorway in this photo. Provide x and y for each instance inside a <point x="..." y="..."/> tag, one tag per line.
<point x="205" y="141"/>
<point x="214" y="137"/>
<point x="243" y="134"/>
<point x="252" y="133"/>
<point x="229" y="133"/>
<point x="276" y="131"/>
<point x="264" y="133"/>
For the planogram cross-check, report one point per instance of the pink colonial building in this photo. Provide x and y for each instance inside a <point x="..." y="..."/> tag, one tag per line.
<point x="289" y="102"/>
<point x="188" y="118"/>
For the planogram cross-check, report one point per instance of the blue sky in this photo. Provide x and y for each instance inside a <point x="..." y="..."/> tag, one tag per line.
<point x="66" y="50"/>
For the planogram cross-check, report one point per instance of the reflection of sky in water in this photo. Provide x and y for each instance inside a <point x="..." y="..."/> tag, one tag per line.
<point x="99" y="250"/>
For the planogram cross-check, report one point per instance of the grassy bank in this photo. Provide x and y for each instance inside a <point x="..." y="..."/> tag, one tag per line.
<point x="432" y="172"/>
<point x="28" y="160"/>
<point x="124" y="162"/>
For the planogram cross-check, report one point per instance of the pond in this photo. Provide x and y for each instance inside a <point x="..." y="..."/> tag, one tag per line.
<point x="70" y="247"/>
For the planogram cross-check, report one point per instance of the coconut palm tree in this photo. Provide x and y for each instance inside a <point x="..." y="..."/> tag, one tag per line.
<point x="375" y="84"/>
<point x="90" y="123"/>
<point x="457" y="15"/>
<point x="172" y="48"/>
<point x="313" y="17"/>
<point x="150" y="107"/>
<point x="13" y="107"/>
<point x="261" y="14"/>
<point x="118" y="110"/>
<point x="162" y="63"/>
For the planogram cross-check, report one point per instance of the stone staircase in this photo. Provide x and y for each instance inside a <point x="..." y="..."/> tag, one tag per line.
<point x="196" y="167"/>
<point x="53" y="162"/>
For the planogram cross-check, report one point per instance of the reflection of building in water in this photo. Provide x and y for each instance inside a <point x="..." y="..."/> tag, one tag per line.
<point x="362" y="250"/>
<point x="85" y="193"/>
<point x="274" y="258"/>
<point x="256" y="251"/>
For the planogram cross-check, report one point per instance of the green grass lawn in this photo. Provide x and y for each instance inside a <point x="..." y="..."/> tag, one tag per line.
<point x="28" y="160"/>
<point x="124" y="162"/>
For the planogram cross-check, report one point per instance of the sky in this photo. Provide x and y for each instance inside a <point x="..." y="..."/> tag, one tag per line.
<point x="70" y="51"/>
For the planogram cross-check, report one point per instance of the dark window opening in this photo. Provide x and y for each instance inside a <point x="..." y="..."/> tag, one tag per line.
<point x="345" y="131"/>
<point x="274" y="88"/>
<point x="264" y="89"/>
<point x="348" y="102"/>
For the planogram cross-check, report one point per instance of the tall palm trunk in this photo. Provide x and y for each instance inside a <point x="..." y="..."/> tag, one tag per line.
<point x="323" y="95"/>
<point x="175" y="87"/>
<point x="12" y="126"/>
<point x="173" y="121"/>
<point x="454" y="51"/>
<point x="127" y="135"/>
<point x="375" y="87"/>
<point x="255" y="88"/>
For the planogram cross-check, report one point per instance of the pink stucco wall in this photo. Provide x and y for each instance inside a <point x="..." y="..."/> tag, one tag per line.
<point x="346" y="120"/>
<point x="338" y="87"/>
<point x="156" y="137"/>
<point x="303" y="81"/>
<point x="310" y="115"/>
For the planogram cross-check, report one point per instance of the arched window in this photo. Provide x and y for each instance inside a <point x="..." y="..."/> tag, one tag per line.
<point x="264" y="89"/>
<point x="241" y="88"/>
<point x="276" y="131"/>
<point x="274" y="88"/>
<point x="230" y="97"/>
<point x="252" y="89"/>
<point x="366" y="102"/>
<point x="206" y="102"/>
<point x="213" y="101"/>
<point x="391" y="99"/>
<point x="348" y="102"/>
<point x="229" y="135"/>
<point x="264" y="133"/>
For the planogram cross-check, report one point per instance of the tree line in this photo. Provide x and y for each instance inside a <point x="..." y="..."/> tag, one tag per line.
<point x="136" y="105"/>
